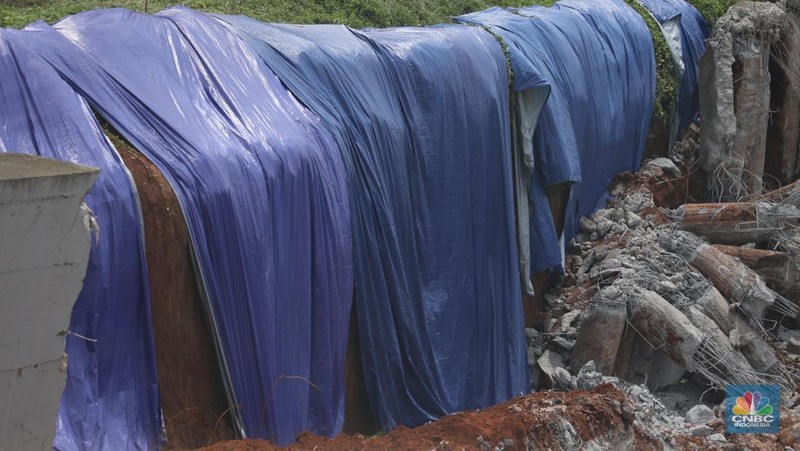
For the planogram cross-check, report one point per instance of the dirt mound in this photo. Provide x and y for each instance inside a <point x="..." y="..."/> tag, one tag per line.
<point x="546" y="419"/>
<point x="192" y="396"/>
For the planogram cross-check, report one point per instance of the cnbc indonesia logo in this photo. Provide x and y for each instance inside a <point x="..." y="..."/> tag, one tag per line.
<point x="750" y="409"/>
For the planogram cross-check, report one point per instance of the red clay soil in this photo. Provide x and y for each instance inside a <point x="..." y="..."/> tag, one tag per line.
<point x="193" y="399"/>
<point x="751" y="442"/>
<point x="527" y="419"/>
<point x="192" y="394"/>
<point x="668" y="191"/>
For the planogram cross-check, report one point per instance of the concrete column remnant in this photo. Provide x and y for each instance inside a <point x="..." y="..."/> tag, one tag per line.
<point x="600" y="332"/>
<point x="734" y="280"/>
<point x="43" y="257"/>
<point x="716" y="358"/>
<point x="665" y="327"/>
<point x="736" y="222"/>
<point x="714" y="305"/>
<point x="777" y="269"/>
<point x="783" y="135"/>
<point x="735" y="97"/>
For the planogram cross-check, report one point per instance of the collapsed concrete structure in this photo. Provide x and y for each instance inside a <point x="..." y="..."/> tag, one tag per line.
<point x="678" y="317"/>
<point x="673" y="293"/>
<point x="649" y="304"/>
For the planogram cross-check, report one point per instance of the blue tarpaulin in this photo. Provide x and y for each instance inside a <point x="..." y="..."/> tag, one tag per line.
<point x="261" y="185"/>
<point x="421" y="117"/>
<point x="693" y="34"/>
<point x="597" y="58"/>
<point x="317" y="163"/>
<point x="111" y="395"/>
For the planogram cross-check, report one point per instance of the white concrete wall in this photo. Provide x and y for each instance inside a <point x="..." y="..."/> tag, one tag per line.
<point x="44" y="250"/>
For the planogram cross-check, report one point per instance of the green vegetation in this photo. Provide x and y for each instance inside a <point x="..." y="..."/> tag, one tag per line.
<point x="355" y="13"/>
<point x="713" y="9"/>
<point x="666" y="85"/>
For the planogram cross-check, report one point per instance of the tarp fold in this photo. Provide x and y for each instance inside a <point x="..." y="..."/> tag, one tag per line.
<point x="421" y="116"/>
<point x="262" y="189"/>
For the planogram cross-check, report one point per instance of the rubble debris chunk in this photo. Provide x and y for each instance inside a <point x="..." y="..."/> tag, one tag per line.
<point x="562" y="379"/>
<point x="667" y="165"/>
<point x="699" y="414"/>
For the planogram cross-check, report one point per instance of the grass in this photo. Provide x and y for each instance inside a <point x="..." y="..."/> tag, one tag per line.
<point x="713" y="9"/>
<point x="355" y="13"/>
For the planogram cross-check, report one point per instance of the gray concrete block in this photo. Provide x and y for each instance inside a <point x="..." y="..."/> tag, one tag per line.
<point x="43" y="256"/>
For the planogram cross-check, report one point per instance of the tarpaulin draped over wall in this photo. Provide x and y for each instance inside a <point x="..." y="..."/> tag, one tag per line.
<point x="597" y="58"/>
<point x="111" y="396"/>
<point x="693" y="33"/>
<point x="421" y="117"/>
<point x="262" y="189"/>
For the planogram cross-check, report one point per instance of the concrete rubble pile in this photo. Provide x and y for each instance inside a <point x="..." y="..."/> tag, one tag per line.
<point x="654" y="308"/>
<point x="671" y="301"/>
